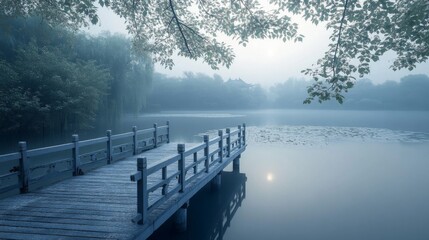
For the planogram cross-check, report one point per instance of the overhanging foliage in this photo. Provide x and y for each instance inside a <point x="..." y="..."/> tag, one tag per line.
<point x="362" y="30"/>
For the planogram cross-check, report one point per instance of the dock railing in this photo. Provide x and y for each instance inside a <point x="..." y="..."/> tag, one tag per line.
<point x="34" y="167"/>
<point x="186" y="165"/>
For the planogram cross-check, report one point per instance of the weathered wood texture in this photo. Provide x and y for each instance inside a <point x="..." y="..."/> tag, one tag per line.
<point x="27" y="170"/>
<point x="101" y="203"/>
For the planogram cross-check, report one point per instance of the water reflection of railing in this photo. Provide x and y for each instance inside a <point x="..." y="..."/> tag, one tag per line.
<point x="234" y="194"/>
<point x="210" y="212"/>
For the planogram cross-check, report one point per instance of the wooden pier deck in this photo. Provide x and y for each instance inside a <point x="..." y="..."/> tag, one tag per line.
<point x="127" y="199"/>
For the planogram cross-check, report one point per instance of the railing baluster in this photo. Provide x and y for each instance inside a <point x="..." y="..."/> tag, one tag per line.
<point x="206" y="152"/>
<point x="244" y="134"/>
<point x="181" y="151"/>
<point x="134" y="140"/>
<point x="168" y="131"/>
<point x="24" y="170"/>
<point x="164" y="176"/>
<point x="155" y="135"/>
<point x="109" y="149"/>
<point x="76" y="158"/>
<point x="228" y="142"/>
<point x="220" y="133"/>
<point x="79" y="160"/>
<point x="195" y="160"/>
<point x="239" y="136"/>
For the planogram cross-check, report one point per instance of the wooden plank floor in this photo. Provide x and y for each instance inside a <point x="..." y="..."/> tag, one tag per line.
<point x="97" y="205"/>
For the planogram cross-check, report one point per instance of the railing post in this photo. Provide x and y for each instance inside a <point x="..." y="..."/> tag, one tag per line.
<point x="164" y="176"/>
<point x="76" y="159"/>
<point x="206" y="153"/>
<point x="220" y="133"/>
<point x="109" y="146"/>
<point x="181" y="151"/>
<point x="168" y="132"/>
<point x="244" y="134"/>
<point x="228" y="142"/>
<point x="239" y="136"/>
<point x="155" y="135"/>
<point x="195" y="160"/>
<point x="24" y="170"/>
<point x="142" y="198"/>
<point x="135" y="140"/>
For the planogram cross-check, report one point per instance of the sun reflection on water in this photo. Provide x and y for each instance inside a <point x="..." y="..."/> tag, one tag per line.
<point x="270" y="177"/>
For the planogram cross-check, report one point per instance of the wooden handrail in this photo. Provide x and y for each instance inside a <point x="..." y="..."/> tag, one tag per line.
<point x="10" y="157"/>
<point x="89" y="142"/>
<point x="214" y="140"/>
<point x="145" y="131"/>
<point x="122" y="135"/>
<point x="166" y="162"/>
<point x="47" y="150"/>
<point x="194" y="149"/>
<point x="222" y="151"/>
<point x="78" y="149"/>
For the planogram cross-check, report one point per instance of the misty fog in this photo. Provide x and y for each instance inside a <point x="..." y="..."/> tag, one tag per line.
<point x="202" y="92"/>
<point x="324" y="170"/>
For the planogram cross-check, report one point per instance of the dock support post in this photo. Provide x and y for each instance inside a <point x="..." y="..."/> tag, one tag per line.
<point x="181" y="165"/>
<point x="76" y="159"/>
<point x="181" y="218"/>
<point x="109" y="148"/>
<point x="216" y="181"/>
<point x="134" y="140"/>
<point x="236" y="164"/>
<point x="220" y="133"/>
<point x="24" y="170"/>
<point x="155" y="135"/>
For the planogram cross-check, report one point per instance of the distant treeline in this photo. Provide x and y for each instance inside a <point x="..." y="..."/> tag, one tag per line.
<point x="53" y="79"/>
<point x="200" y="92"/>
<point x="410" y="93"/>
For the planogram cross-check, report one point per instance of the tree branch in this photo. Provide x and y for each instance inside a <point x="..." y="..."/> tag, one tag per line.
<point x="339" y="38"/>
<point x="251" y="14"/>
<point x="180" y="27"/>
<point x="193" y="30"/>
<point x="169" y="23"/>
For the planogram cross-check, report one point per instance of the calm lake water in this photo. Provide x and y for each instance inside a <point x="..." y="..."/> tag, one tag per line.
<point x="310" y="175"/>
<point x="313" y="175"/>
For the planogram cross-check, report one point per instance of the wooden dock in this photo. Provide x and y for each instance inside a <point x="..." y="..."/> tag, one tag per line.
<point x="144" y="183"/>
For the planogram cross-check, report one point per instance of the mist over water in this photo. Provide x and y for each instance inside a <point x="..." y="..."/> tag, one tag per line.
<point x="308" y="174"/>
<point x="318" y="175"/>
<point x="357" y="170"/>
<point x="337" y="191"/>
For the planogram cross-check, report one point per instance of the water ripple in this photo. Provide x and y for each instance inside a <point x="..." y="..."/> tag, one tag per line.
<point x="323" y="135"/>
<point x="316" y="135"/>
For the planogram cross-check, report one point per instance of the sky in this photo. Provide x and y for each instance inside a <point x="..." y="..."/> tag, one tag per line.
<point x="267" y="61"/>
